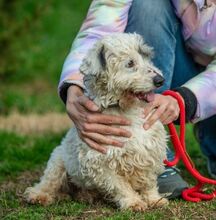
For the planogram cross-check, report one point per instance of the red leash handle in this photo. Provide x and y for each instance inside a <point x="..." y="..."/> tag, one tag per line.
<point x="194" y="194"/>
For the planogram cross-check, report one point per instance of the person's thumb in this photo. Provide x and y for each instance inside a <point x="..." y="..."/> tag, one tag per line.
<point x="88" y="104"/>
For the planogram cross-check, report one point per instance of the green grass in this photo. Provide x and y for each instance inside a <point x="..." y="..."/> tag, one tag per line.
<point x="20" y="153"/>
<point x="23" y="158"/>
<point x="44" y="45"/>
<point x="40" y="53"/>
<point x="37" y="97"/>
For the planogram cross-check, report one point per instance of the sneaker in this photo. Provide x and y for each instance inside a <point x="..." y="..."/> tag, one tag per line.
<point x="171" y="184"/>
<point x="211" y="165"/>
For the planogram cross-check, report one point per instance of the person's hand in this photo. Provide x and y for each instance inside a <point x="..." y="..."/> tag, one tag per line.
<point x="166" y="110"/>
<point x="94" y="128"/>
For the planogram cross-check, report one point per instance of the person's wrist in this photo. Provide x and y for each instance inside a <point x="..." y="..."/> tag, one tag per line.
<point x="180" y="97"/>
<point x="73" y="93"/>
<point x="190" y="102"/>
<point x="74" y="90"/>
<point x="69" y="89"/>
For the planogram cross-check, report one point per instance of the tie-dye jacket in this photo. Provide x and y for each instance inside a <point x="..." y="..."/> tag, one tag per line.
<point x="199" y="31"/>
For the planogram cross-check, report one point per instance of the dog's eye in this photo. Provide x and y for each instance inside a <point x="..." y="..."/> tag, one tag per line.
<point x="130" y="64"/>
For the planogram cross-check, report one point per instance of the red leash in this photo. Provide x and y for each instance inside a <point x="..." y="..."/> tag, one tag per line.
<point x="194" y="194"/>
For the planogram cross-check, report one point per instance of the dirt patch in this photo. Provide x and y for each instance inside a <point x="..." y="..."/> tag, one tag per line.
<point x="35" y="123"/>
<point x="177" y="209"/>
<point x="19" y="184"/>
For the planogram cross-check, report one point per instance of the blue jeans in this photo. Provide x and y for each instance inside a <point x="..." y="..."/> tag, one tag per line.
<point x="156" y="21"/>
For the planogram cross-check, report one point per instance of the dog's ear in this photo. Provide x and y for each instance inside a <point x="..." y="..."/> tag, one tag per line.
<point x="94" y="63"/>
<point x="143" y="48"/>
<point x="146" y="51"/>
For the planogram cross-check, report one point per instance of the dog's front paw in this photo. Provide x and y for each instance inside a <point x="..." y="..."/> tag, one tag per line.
<point x="158" y="203"/>
<point x="34" y="196"/>
<point x="136" y="205"/>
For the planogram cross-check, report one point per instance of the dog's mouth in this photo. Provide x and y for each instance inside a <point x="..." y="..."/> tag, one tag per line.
<point x="144" y="96"/>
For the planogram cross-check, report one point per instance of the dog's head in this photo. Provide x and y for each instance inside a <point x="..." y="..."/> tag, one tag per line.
<point x="117" y="65"/>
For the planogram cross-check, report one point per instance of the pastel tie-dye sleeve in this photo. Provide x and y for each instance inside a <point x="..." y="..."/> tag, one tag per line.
<point x="188" y="12"/>
<point x="199" y="24"/>
<point x="104" y="17"/>
<point x="199" y="30"/>
<point x="204" y="88"/>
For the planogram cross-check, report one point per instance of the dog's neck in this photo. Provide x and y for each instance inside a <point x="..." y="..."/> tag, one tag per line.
<point x="102" y="98"/>
<point x="103" y="102"/>
<point x="124" y="102"/>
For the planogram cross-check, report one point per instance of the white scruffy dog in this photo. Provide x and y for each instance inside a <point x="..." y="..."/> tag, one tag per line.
<point x="120" y="78"/>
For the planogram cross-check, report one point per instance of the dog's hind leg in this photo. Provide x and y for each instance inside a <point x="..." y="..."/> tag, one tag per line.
<point x="120" y="191"/>
<point x="53" y="180"/>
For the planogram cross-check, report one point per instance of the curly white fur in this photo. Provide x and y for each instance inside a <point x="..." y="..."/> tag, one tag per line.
<point x="128" y="175"/>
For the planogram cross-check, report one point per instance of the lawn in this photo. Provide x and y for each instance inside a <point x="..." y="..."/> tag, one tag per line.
<point x="33" y="119"/>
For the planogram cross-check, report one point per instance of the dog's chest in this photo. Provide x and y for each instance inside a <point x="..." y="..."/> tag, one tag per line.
<point x="138" y="166"/>
<point x="141" y="157"/>
<point x="143" y="153"/>
<point x="141" y="140"/>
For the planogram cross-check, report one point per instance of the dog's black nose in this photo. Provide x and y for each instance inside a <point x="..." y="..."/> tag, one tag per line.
<point x="158" y="80"/>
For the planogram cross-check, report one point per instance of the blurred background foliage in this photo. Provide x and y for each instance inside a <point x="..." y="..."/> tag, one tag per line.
<point x="35" y="37"/>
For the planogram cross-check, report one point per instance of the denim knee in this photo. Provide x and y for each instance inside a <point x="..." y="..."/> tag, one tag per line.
<point x="150" y="17"/>
<point x="207" y="136"/>
<point x="156" y="21"/>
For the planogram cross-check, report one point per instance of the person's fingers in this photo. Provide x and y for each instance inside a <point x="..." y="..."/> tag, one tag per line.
<point x="149" y="107"/>
<point x="173" y="110"/>
<point x="171" y="114"/>
<point x="73" y="93"/>
<point x="170" y="118"/>
<point x="103" y="129"/>
<point x="107" y="119"/>
<point x="100" y="139"/>
<point x="88" y="104"/>
<point x="95" y="146"/>
<point x="164" y="116"/>
<point x="72" y="112"/>
<point x="154" y="117"/>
